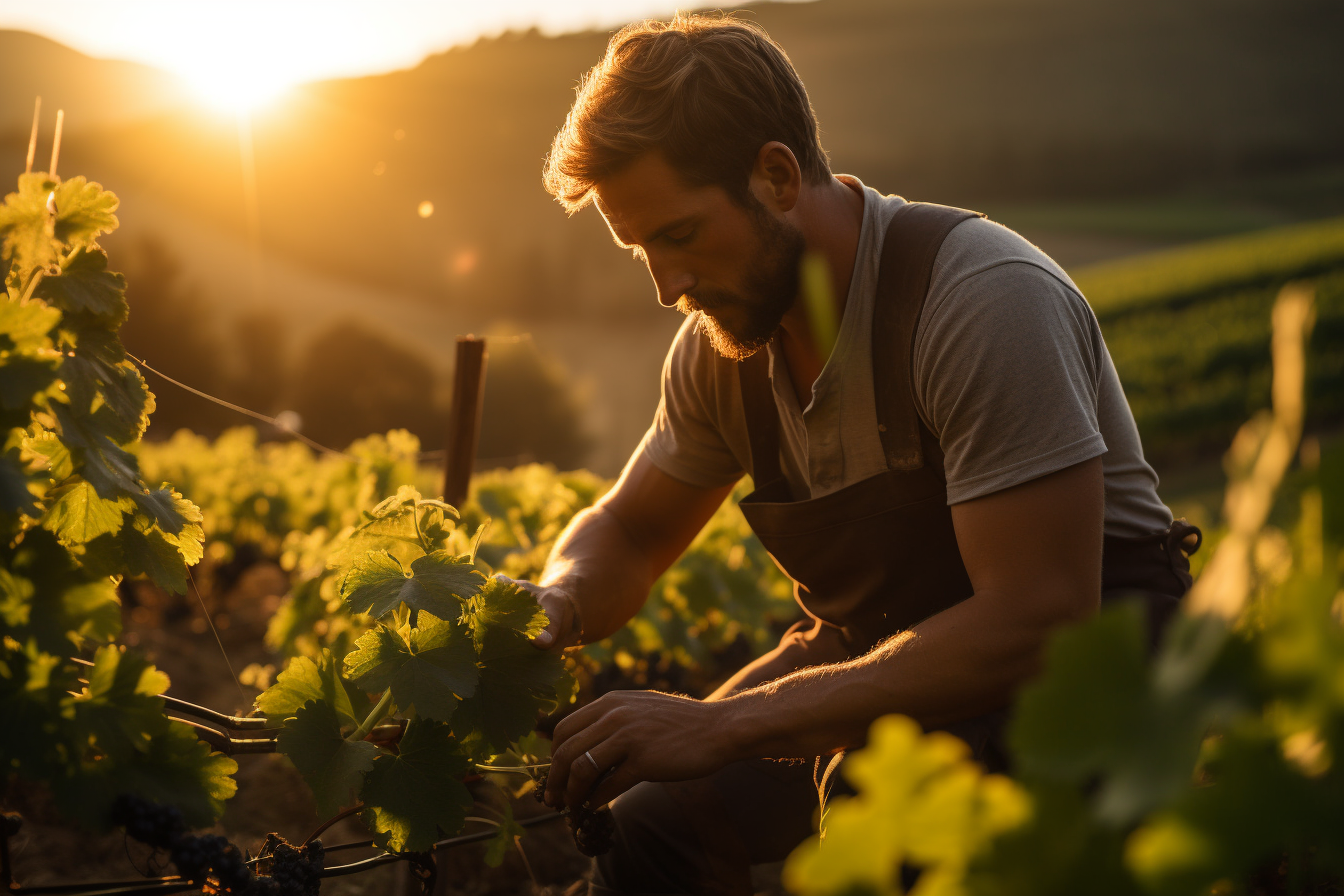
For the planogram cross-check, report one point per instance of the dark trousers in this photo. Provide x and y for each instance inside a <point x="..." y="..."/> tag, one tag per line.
<point x="703" y="836"/>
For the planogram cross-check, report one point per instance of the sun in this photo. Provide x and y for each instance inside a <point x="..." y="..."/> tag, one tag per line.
<point x="236" y="90"/>
<point x="235" y="58"/>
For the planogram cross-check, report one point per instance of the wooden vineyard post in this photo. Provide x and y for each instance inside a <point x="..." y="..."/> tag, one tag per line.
<point x="464" y="418"/>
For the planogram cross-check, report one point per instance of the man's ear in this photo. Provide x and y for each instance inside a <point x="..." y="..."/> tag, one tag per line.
<point x="776" y="177"/>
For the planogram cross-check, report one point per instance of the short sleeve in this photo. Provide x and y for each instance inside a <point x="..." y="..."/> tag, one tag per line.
<point x="1008" y="366"/>
<point x="691" y="438"/>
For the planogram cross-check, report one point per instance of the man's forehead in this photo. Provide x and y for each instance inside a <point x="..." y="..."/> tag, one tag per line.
<point x="645" y="197"/>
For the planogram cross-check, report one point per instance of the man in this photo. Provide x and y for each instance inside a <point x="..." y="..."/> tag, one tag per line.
<point x="957" y="479"/>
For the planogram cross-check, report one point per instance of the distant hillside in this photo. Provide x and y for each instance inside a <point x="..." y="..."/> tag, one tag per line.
<point x="93" y="92"/>
<point x="963" y="101"/>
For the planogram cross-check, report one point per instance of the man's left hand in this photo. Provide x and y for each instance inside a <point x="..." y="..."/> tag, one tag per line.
<point x="635" y="736"/>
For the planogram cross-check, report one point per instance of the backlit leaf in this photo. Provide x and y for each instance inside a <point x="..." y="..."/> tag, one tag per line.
<point x="418" y="794"/>
<point x="505" y="605"/>
<point x="86" y="286"/>
<point x="921" y="802"/>
<point x="377" y="584"/>
<point x="78" y="515"/>
<point x="333" y="766"/>
<point x="430" y="673"/>
<point x="303" y="681"/>
<point x="122" y="703"/>
<point x="517" y="681"/>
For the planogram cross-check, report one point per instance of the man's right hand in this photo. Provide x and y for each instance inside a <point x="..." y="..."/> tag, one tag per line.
<point x="565" y="628"/>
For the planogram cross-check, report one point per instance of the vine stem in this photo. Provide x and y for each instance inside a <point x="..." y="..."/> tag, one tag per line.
<point x="32" y="284"/>
<point x="415" y="515"/>
<point x="376" y="716"/>
<point x="321" y="829"/>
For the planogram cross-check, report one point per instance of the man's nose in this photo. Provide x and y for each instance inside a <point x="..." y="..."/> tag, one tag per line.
<point x="671" y="285"/>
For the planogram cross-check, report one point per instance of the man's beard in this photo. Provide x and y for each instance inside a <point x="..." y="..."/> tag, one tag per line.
<point x="769" y="291"/>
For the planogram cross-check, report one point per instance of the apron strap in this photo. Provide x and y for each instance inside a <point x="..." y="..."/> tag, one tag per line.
<point x="911" y="245"/>
<point x="913" y="239"/>
<point x="758" y="404"/>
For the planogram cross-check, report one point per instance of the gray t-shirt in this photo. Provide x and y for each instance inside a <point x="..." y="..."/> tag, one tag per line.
<point x="1011" y="375"/>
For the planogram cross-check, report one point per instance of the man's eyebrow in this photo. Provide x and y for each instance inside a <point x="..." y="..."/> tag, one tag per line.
<point x="667" y="228"/>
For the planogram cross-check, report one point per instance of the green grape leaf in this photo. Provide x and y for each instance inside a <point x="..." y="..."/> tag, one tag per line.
<point x="111" y="469"/>
<point x="304" y="681"/>
<point x="122" y="704"/>
<point x="148" y="551"/>
<point x="56" y="457"/>
<point x="175" y="768"/>
<point x="15" y="496"/>
<point x="505" y="839"/>
<point x="1094" y="712"/>
<point x="502" y="604"/>
<point x="418" y="793"/>
<point x="517" y="681"/>
<point x="430" y="673"/>
<point x="22" y="380"/>
<point x="162" y="506"/>
<point x="86" y="286"/>
<point x="74" y="605"/>
<point x="181" y="769"/>
<point x="87" y="611"/>
<point x="921" y="801"/>
<point x="437" y="584"/>
<point x="78" y="515"/>
<point x="391" y="527"/>
<point x="28" y="358"/>
<point x="27" y="228"/>
<point x="84" y="211"/>
<point x="405" y="498"/>
<point x="16" y="595"/>
<point x="114" y="392"/>
<point x="25" y="328"/>
<point x="333" y="766"/>
<point x="1078" y="852"/>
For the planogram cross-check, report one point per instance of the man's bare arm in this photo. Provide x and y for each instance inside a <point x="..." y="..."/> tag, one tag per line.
<point x="1034" y="558"/>
<point x="1033" y="553"/>
<point x="603" y="564"/>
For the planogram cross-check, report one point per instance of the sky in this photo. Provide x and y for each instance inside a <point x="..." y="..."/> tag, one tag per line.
<point x="285" y="42"/>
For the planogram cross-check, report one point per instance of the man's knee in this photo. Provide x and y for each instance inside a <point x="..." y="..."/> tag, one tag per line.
<point x="654" y="847"/>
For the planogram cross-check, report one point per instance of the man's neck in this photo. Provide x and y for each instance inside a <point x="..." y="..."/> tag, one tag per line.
<point x="830" y="216"/>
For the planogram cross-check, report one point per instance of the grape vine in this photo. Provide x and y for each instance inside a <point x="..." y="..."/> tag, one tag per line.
<point x="76" y="517"/>
<point x="444" y="646"/>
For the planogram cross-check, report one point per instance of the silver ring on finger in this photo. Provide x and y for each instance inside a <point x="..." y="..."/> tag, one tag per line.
<point x="597" y="768"/>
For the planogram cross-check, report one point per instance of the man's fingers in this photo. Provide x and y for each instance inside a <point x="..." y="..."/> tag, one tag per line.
<point x="567" y="749"/>
<point x="559" y="614"/>
<point x="613" y="785"/>
<point x="588" y="769"/>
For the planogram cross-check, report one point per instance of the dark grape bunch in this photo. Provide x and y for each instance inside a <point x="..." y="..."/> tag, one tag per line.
<point x="154" y="824"/>
<point x="591" y="829"/>
<point x="199" y="857"/>
<point x="291" y="871"/>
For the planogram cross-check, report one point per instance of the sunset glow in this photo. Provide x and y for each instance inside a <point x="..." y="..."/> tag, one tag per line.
<point x="241" y="54"/>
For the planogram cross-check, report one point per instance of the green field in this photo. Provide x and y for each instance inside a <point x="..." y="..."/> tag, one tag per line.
<point x="1188" y="329"/>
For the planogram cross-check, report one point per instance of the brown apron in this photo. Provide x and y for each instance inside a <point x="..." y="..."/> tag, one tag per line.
<point x="881" y="555"/>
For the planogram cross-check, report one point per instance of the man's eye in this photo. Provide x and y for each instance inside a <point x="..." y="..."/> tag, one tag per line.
<point x="680" y="239"/>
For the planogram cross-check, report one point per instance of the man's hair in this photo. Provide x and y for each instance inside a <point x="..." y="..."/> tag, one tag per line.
<point x="706" y="91"/>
